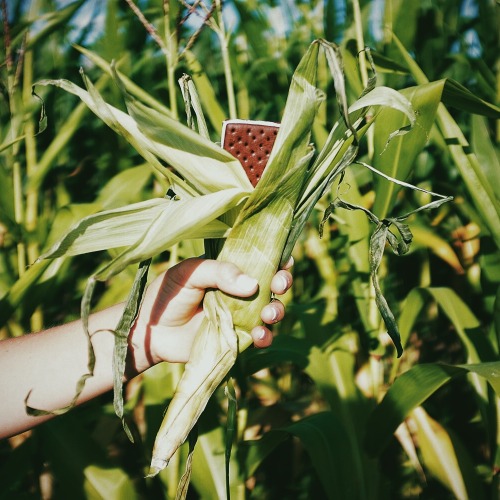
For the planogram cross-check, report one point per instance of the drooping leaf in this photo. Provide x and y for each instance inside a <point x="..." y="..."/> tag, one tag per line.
<point x="66" y="132"/>
<point x="377" y="246"/>
<point x="180" y="219"/>
<point x="105" y="230"/>
<point x="121" y="334"/>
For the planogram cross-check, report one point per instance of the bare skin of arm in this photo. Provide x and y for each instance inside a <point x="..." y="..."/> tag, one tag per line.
<point x="47" y="365"/>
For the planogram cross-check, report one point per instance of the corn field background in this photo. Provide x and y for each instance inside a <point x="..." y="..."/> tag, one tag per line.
<point x="328" y="411"/>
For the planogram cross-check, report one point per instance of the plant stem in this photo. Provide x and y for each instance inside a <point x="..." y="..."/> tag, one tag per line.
<point x="171" y="57"/>
<point x="32" y="198"/>
<point x="360" y="44"/>
<point x="168" y="47"/>
<point x="224" y="43"/>
<point x="31" y="215"/>
<point x="19" y="215"/>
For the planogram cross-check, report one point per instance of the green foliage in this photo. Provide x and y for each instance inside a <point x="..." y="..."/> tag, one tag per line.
<point x="327" y="411"/>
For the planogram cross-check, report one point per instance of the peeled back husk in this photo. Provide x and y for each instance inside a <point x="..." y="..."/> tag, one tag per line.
<point x="255" y="244"/>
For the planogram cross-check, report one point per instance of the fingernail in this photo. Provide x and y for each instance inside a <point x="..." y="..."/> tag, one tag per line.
<point x="274" y="317"/>
<point x="284" y="282"/>
<point x="262" y="334"/>
<point x="246" y="283"/>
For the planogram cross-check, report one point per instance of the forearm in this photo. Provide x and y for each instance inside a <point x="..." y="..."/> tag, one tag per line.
<point x="47" y="366"/>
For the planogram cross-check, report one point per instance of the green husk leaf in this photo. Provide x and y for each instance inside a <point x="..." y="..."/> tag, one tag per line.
<point x="215" y="349"/>
<point x="121" y="333"/>
<point x="182" y="219"/>
<point x="104" y="230"/>
<point x="192" y="100"/>
<point x="205" y="166"/>
<point x="270" y="210"/>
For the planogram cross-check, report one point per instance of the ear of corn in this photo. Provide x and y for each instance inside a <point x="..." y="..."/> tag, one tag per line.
<point x="260" y="225"/>
<point x="257" y="242"/>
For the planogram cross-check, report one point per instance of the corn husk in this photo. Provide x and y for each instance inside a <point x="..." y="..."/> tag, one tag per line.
<point x="260" y="225"/>
<point x="261" y="238"/>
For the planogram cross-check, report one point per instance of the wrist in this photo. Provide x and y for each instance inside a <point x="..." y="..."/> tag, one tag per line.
<point x="140" y="355"/>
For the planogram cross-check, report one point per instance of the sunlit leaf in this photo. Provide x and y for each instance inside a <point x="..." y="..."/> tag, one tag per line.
<point x="442" y="459"/>
<point x="410" y="390"/>
<point x="397" y="158"/>
<point x="467" y="163"/>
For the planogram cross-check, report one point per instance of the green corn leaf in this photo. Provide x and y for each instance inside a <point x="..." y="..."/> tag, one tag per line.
<point x="105" y="230"/>
<point x="457" y="96"/>
<point x="411" y="389"/>
<point x="121" y="123"/>
<point x="438" y="454"/>
<point x="324" y="438"/>
<point x="284" y="349"/>
<point x="467" y="163"/>
<point x="477" y="346"/>
<point x="446" y="458"/>
<point x="129" y="85"/>
<point x="397" y="158"/>
<point x="485" y="151"/>
<point x="65" y="133"/>
<point x="124" y="187"/>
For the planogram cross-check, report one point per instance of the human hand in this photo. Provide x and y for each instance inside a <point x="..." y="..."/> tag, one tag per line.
<point x="171" y="312"/>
